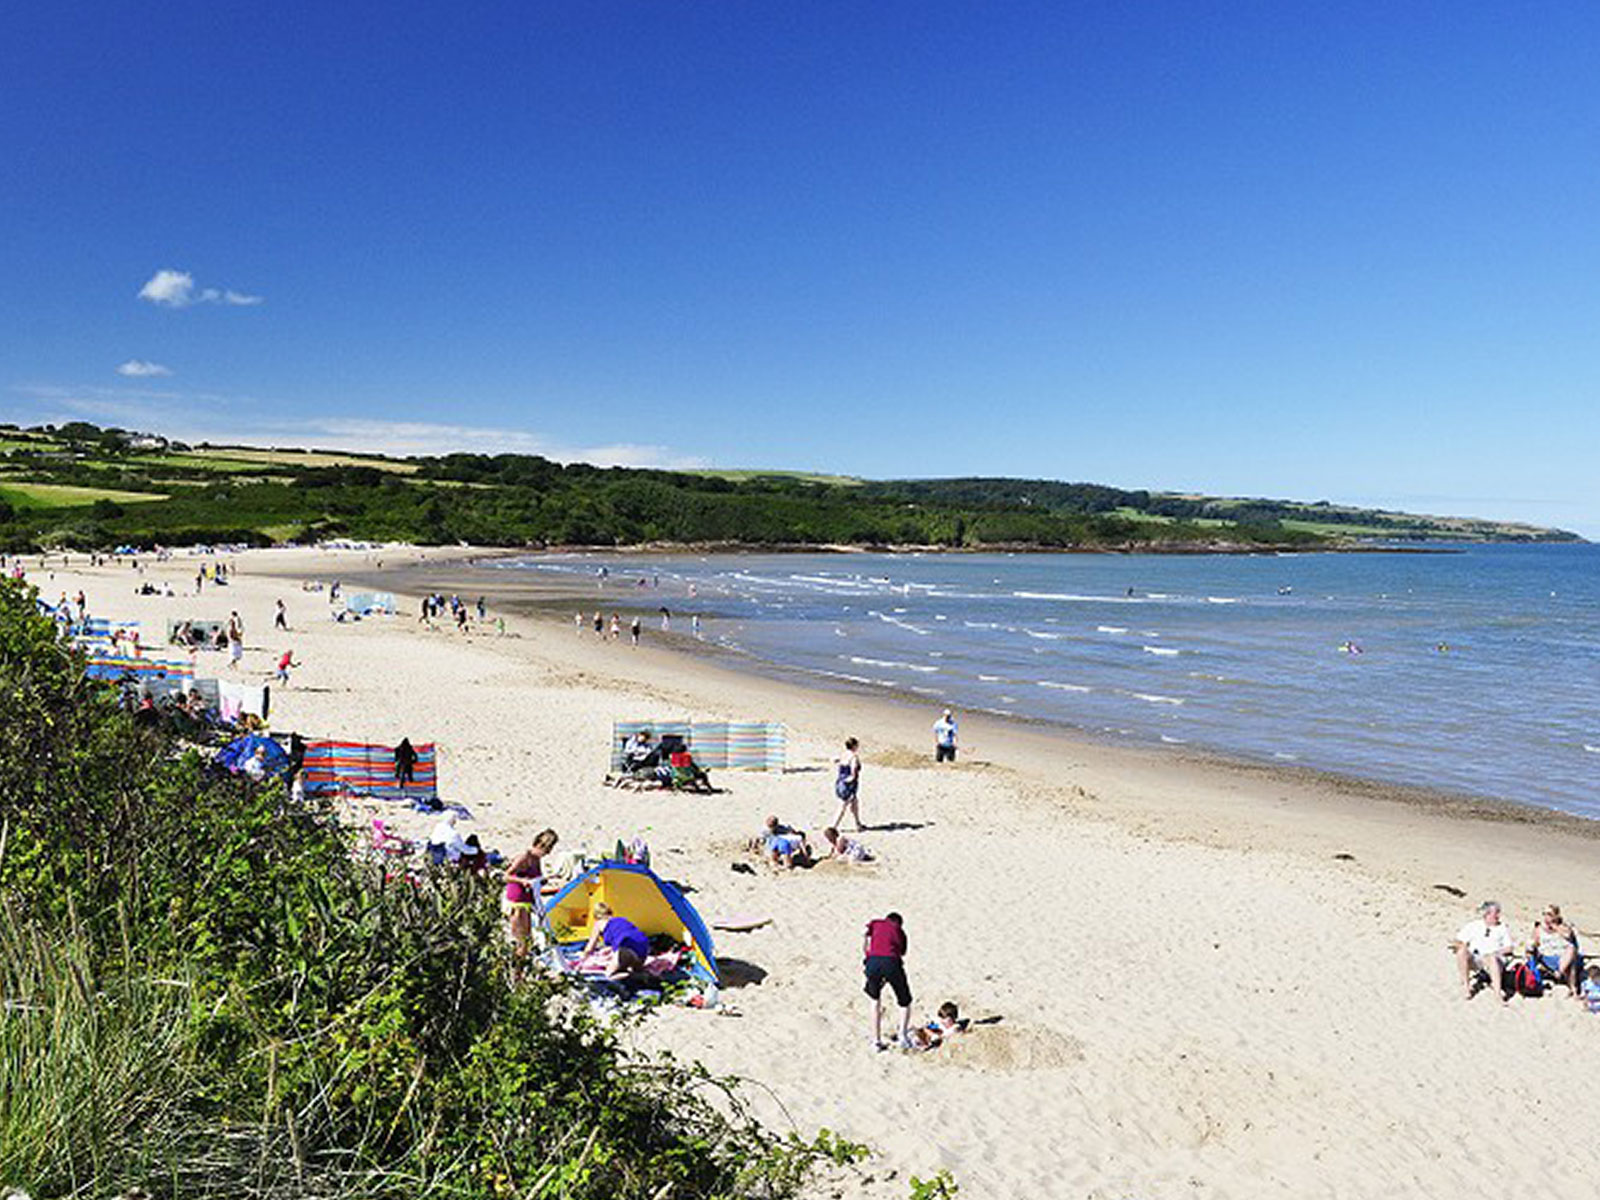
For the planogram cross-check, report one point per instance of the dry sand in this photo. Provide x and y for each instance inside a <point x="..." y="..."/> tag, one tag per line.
<point x="1210" y="980"/>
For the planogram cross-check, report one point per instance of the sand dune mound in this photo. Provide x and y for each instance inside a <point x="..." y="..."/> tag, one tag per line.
<point x="1010" y="1048"/>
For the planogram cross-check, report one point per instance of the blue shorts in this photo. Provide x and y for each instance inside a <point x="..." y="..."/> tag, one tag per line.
<point x="882" y="969"/>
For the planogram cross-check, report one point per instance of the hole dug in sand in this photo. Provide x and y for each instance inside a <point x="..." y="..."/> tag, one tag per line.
<point x="1009" y="1047"/>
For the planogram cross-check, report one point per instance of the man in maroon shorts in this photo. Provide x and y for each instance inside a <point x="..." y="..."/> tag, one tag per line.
<point x="885" y="950"/>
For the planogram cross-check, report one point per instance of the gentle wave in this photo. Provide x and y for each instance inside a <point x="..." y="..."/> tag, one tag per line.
<point x="1074" y="598"/>
<point x="898" y="623"/>
<point x="1163" y="650"/>
<point x="1150" y="698"/>
<point x="892" y="664"/>
<point x="1064" y="687"/>
<point x="1110" y="629"/>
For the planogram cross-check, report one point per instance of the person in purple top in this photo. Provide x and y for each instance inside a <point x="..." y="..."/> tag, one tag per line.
<point x="884" y="952"/>
<point x="628" y="945"/>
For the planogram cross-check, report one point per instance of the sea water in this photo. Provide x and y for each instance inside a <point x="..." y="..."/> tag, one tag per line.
<point x="1474" y="669"/>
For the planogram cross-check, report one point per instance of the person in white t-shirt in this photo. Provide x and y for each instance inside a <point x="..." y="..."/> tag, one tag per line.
<point x="944" y="738"/>
<point x="1483" y="946"/>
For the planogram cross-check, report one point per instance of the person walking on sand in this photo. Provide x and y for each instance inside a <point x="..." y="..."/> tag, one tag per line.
<point x="633" y="631"/>
<point x="280" y="616"/>
<point x="284" y="663"/>
<point x="944" y="738"/>
<point x="847" y="783"/>
<point x="616" y="627"/>
<point x="883" y="952"/>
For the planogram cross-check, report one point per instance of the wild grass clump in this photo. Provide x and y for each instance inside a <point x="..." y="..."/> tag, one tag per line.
<point x="203" y="994"/>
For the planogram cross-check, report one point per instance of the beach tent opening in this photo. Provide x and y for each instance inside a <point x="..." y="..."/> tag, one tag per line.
<point x="639" y="894"/>
<point x="234" y="755"/>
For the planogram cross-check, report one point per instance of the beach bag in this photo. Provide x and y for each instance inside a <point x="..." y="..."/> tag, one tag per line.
<point x="1525" y="980"/>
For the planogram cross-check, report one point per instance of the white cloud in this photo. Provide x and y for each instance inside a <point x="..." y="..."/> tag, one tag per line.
<point x="138" y="368"/>
<point x="206" y="417"/>
<point x="175" y="289"/>
<point x="425" y="437"/>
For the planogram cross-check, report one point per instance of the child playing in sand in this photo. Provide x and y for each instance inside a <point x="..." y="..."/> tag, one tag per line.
<point x="946" y="1023"/>
<point x="848" y="849"/>
<point x="785" y="846"/>
<point x="1591" y="988"/>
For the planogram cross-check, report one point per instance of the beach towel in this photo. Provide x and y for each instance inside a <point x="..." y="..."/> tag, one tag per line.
<point x="367" y="769"/>
<point x="238" y="699"/>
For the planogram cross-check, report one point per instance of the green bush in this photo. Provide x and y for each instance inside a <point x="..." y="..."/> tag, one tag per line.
<point x="206" y="994"/>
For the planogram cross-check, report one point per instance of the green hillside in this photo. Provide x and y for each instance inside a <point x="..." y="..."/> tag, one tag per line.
<point x="82" y="486"/>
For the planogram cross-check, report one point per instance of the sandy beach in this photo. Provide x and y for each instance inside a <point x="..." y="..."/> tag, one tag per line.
<point x="1210" y="979"/>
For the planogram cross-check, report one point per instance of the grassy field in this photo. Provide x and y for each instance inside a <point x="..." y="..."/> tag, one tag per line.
<point x="1150" y="518"/>
<point x="60" y="495"/>
<point x="292" y="458"/>
<point x="1333" y="529"/>
<point x="195" y="462"/>
<point x="744" y="475"/>
<point x="24" y="442"/>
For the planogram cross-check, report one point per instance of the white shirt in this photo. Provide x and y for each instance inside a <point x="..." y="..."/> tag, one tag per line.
<point x="944" y="732"/>
<point x="445" y="834"/>
<point x="1484" y="939"/>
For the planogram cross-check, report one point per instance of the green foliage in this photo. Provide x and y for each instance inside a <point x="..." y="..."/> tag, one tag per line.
<point x="206" y="994"/>
<point x="511" y="499"/>
<point x="938" y="1187"/>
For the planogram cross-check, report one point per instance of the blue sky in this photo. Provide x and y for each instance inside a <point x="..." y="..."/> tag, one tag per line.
<point x="1345" y="252"/>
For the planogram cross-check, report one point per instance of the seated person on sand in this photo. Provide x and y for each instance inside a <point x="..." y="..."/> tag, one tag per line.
<point x="687" y="774"/>
<point x="932" y="1034"/>
<point x="1554" y="946"/>
<point x="785" y="846"/>
<point x="445" y="843"/>
<point x="1591" y="988"/>
<point x="639" y="754"/>
<point x="1482" y="948"/>
<point x="626" y="941"/>
<point x="847" y="849"/>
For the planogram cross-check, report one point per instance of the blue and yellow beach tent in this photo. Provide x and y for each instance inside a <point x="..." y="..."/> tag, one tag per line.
<point x="637" y="893"/>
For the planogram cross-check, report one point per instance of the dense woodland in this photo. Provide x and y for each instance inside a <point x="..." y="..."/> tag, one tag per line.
<point x="524" y="500"/>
